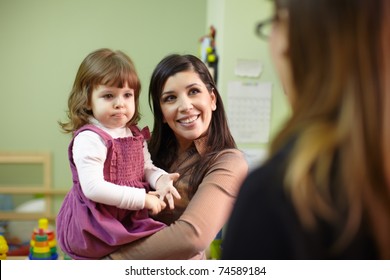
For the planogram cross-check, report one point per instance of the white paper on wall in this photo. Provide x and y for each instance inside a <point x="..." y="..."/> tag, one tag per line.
<point x="248" y="68"/>
<point x="249" y="111"/>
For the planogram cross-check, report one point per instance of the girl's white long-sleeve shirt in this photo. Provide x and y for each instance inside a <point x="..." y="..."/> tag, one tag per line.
<point x="89" y="155"/>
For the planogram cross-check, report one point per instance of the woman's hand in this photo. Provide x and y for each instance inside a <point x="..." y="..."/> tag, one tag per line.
<point x="165" y="188"/>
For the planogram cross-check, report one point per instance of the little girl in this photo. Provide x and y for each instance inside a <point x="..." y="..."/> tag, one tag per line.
<point x="109" y="202"/>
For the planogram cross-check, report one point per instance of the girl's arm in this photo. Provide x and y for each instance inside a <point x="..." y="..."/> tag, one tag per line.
<point x="160" y="180"/>
<point x="152" y="172"/>
<point x="89" y="154"/>
<point x="204" y="217"/>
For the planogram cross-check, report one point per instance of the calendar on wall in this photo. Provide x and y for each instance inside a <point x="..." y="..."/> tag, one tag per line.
<point x="249" y="111"/>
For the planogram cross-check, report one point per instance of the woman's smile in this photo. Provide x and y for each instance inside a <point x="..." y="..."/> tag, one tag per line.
<point x="188" y="120"/>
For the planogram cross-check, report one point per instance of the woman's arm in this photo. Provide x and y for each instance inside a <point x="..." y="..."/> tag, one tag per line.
<point x="203" y="218"/>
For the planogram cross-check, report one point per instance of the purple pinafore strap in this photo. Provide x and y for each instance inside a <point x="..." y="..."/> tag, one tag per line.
<point x="90" y="230"/>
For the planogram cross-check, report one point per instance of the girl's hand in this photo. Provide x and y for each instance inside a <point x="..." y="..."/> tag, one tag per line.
<point x="165" y="188"/>
<point x="154" y="204"/>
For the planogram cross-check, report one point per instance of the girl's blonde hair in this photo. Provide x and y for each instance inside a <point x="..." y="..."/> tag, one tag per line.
<point x="101" y="67"/>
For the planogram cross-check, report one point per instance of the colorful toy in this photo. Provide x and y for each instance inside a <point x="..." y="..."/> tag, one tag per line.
<point x="43" y="245"/>
<point x="3" y="248"/>
<point x="209" y="52"/>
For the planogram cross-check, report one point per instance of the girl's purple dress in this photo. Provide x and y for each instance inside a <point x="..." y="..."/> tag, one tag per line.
<point x="90" y="230"/>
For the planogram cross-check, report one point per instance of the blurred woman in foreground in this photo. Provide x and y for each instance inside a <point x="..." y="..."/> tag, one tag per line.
<point x="324" y="193"/>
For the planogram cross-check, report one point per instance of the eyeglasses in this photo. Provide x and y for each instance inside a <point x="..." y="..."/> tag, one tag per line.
<point x="264" y="28"/>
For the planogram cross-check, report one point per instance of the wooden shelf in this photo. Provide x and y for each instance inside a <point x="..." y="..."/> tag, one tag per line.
<point x="21" y="157"/>
<point x="45" y="189"/>
<point x="6" y="189"/>
<point x="25" y="216"/>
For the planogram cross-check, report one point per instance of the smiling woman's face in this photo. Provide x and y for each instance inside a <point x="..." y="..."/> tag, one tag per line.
<point x="187" y="107"/>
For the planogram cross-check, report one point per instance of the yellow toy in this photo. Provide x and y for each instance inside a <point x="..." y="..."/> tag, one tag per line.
<point x="3" y="248"/>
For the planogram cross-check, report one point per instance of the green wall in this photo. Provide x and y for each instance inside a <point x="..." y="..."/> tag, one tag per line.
<point x="236" y="39"/>
<point x="44" y="41"/>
